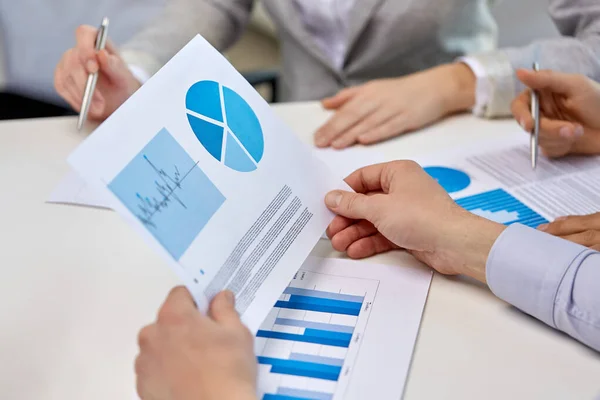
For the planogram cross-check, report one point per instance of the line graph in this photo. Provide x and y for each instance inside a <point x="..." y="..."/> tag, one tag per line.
<point x="168" y="193"/>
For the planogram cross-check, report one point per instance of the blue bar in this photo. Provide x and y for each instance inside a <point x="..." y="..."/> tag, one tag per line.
<point x="328" y="334"/>
<point x="323" y="295"/>
<point x="317" y="359"/>
<point x="316" y="307"/>
<point x="304" y="394"/>
<point x="314" y="325"/>
<point x="327" y="341"/>
<point x="325" y="302"/>
<point x="301" y="368"/>
<point x="282" y="397"/>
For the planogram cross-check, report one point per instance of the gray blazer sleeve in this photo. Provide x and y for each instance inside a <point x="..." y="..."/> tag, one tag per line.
<point x="221" y="22"/>
<point x="578" y="51"/>
<point x="552" y="279"/>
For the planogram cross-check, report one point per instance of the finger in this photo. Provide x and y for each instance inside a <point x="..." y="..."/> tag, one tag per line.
<point x="558" y="137"/>
<point x="378" y="177"/>
<point x="370" y="123"/>
<point x="344" y="118"/>
<point x="74" y="93"/>
<point x="596" y="247"/>
<point x="344" y="239"/>
<point x="572" y="224"/>
<point x="586" y="238"/>
<point x="338" y="224"/>
<point x="222" y="308"/>
<point x="370" y="246"/>
<point x="147" y="336"/>
<point x="61" y="85"/>
<point x="350" y="205"/>
<point x="179" y="304"/>
<point x="335" y="102"/>
<point x="521" y="110"/>
<point x="85" y="37"/>
<point x="556" y="82"/>
<point x="113" y="67"/>
<point x="391" y="128"/>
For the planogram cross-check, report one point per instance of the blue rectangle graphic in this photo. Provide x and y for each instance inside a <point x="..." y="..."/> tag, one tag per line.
<point x="314" y="325"/>
<point x="301" y="368"/>
<point x="323" y="295"/>
<point x="304" y="394"/>
<point x="343" y="340"/>
<point x="318" y="307"/>
<point x="502" y="207"/>
<point x="168" y="193"/>
<point x="269" y="396"/>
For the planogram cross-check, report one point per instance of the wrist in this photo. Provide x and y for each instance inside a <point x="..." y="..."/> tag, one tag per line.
<point x="466" y="246"/>
<point x="461" y="84"/>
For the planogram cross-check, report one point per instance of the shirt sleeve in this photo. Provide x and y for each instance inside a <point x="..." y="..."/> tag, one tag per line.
<point x="556" y="281"/>
<point x="576" y="51"/>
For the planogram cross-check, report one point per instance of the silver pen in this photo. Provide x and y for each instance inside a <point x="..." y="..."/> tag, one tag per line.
<point x="90" y="85"/>
<point x="535" y="113"/>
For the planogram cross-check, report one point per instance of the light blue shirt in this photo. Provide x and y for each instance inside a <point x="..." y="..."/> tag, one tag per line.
<point x="556" y="281"/>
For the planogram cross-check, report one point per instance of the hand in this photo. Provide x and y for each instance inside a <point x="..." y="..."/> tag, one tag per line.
<point x="115" y="82"/>
<point x="583" y="230"/>
<point x="398" y="205"/>
<point x="570" y="121"/>
<point x="386" y="108"/>
<point x="186" y="355"/>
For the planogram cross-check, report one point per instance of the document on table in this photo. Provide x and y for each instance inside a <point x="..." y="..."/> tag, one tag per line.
<point x="496" y="181"/>
<point x="342" y="330"/>
<point x="200" y="166"/>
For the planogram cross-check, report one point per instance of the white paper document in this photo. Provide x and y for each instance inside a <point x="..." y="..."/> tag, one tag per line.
<point x="342" y="330"/>
<point x="198" y="163"/>
<point x="496" y="181"/>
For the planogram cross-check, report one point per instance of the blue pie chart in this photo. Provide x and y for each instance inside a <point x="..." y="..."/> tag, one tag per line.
<point x="452" y="180"/>
<point x="225" y="125"/>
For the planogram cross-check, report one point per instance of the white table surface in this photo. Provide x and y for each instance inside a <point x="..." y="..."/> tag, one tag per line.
<point x="78" y="284"/>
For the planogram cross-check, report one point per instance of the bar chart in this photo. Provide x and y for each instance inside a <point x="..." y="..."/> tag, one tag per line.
<point x="309" y="341"/>
<point x="502" y="207"/>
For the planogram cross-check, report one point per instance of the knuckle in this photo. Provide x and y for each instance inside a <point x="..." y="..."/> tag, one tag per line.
<point x="145" y="336"/>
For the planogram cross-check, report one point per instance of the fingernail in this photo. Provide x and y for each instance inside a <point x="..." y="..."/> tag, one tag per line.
<point x="92" y="66"/>
<point x="522" y="123"/>
<point x="579" y="131"/>
<point x="337" y="143"/>
<point x="543" y="227"/>
<point x="560" y="219"/>
<point x="230" y="297"/>
<point x="320" y="141"/>
<point x="333" y="199"/>
<point x="565" y="132"/>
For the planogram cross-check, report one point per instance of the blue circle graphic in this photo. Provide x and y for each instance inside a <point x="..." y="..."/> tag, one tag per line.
<point x="452" y="180"/>
<point x="225" y="125"/>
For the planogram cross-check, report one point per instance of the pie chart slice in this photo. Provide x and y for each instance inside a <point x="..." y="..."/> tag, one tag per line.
<point x="452" y="180"/>
<point x="225" y="125"/>
<point x="209" y="135"/>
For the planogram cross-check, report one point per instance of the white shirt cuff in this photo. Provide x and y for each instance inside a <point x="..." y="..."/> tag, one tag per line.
<point x="483" y="91"/>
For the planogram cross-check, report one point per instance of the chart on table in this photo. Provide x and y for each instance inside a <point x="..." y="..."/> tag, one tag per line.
<point x="168" y="193"/>
<point x="225" y="125"/>
<point x="502" y="207"/>
<point x="310" y="340"/>
<point x="452" y="180"/>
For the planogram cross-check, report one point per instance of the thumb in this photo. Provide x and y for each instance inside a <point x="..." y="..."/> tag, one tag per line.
<point x="222" y="308"/>
<point x="556" y="82"/>
<point x="349" y="205"/>
<point x="335" y="102"/>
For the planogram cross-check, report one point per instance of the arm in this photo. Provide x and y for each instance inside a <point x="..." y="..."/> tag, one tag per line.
<point x="556" y="281"/>
<point x="221" y="22"/>
<point x="398" y="205"/>
<point x="578" y="53"/>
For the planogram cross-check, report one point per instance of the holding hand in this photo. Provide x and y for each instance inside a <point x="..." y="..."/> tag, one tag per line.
<point x="115" y="82"/>
<point x="583" y="230"/>
<point x="569" y="109"/>
<point x="386" y="108"/>
<point x="186" y="355"/>
<point x="398" y="205"/>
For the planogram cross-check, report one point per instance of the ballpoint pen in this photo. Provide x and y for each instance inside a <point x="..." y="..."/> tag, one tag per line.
<point x="535" y="113"/>
<point x="90" y="85"/>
